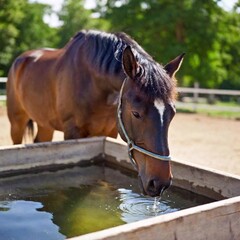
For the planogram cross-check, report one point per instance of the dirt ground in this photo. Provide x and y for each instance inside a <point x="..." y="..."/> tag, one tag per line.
<point x="207" y="141"/>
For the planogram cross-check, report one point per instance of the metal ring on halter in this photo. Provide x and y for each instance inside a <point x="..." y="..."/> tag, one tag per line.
<point x="130" y="143"/>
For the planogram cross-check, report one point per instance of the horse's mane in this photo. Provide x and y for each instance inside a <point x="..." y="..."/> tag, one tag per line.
<point x="104" y="53"/>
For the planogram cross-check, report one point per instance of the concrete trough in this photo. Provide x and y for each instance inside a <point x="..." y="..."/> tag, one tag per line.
<point x="217" y="220"/>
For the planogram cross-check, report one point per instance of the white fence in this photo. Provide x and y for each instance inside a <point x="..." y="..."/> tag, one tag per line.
<point x="194" y="105"/>
<point x="3" y="80"/>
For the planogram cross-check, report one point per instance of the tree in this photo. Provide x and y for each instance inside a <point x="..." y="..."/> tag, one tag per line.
<point x="166" y="28"/>
<point x="75" y="17"/>
<point x="33" y="31"/>
<point x="22" y="28"/>
<point x="10" y="15"/>
<point x="230" y="47"/>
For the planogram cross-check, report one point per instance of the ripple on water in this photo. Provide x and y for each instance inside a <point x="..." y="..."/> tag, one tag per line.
<point x="136" y="207"/>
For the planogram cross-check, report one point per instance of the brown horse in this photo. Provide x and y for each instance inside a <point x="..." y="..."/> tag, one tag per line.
<point x="76" y="90"/>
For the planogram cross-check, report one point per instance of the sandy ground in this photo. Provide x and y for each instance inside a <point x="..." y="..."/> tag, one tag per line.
<point x="211" y="142"/>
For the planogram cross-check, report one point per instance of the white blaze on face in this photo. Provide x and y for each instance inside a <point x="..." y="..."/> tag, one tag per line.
<point x="160" y="106"/>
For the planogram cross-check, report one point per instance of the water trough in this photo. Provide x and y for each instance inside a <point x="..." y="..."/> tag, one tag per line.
<point x="217" y="220"/>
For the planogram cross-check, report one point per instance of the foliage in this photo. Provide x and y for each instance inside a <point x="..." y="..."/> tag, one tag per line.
<point x="10" y="15"/>
<point x="74" y="18"/>
<point x="231" y="49"/>
<point x="22" y="28"/>
<point x="33" y="31"/>
<point x="166" y="28"/>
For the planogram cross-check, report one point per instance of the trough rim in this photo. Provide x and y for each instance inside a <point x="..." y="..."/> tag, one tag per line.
<point x="110" y="140"/>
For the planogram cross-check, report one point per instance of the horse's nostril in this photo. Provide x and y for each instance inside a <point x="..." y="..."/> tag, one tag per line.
<point x="151" y="185"/>
<point x="155" y="187"/>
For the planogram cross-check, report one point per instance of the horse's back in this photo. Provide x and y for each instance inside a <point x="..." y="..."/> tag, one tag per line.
<point x="31" y="63"/>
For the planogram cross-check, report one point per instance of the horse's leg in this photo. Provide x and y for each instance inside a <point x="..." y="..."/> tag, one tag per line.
<point x="44" y="135"/>
<point x="18" y="126"/>
<point x="17" y="116"/>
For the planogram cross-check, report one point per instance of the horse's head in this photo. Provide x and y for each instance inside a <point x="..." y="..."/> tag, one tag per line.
<point x="144" y="113"/>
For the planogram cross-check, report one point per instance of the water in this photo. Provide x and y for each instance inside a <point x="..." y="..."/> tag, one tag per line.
<point x="72" y="202"/>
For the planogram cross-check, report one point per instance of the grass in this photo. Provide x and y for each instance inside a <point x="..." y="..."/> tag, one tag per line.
<point x="2" y="103"/>
<point x="227" y="104"/>
<point x="211" y="113"/>
<point x="228" y="109"/>
<point x="222" y="114"/>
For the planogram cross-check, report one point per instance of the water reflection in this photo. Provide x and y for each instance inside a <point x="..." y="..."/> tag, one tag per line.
<point x="21" y="220"/>
<point x="85" y="209"/>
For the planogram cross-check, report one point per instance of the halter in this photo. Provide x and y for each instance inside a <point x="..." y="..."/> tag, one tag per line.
<point x="130" y="143"/>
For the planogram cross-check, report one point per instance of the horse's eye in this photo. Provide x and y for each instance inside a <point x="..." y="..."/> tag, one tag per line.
<point x="136" y="114"/>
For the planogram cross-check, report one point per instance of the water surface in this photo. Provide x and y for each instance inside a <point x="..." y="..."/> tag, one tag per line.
<point x="80" y="200"/>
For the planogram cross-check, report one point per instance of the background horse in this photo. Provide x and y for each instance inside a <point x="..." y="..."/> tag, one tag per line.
<point x="75" y="90"/>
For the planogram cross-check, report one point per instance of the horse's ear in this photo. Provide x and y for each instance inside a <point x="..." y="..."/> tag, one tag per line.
<point x="173" y="66"/>
<point x="130" y="64"/>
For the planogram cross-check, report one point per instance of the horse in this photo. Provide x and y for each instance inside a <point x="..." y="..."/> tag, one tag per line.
<point x="98" y="84"/>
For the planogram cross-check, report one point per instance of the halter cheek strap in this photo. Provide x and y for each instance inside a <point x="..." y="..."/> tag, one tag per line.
<point x="131" y="145"/>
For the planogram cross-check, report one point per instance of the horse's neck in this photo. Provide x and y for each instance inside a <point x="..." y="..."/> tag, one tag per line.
<point x="112" y="88"/>
<point x="112" y="98"/>
<point x="115" y="82"/>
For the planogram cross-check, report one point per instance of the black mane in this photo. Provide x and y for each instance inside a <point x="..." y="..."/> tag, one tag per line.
<point x="104" y="52"/>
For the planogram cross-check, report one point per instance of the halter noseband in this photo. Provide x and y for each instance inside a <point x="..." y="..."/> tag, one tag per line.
<point x="130" y="143"/>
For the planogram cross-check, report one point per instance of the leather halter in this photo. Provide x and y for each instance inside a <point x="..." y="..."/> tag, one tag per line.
<point x="130" y="143"/>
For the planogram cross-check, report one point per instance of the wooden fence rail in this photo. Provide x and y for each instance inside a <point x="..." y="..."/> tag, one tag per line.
<point x="195" y="104"/>
<point x="3" y="80"/>
<point x="195" y="92"/>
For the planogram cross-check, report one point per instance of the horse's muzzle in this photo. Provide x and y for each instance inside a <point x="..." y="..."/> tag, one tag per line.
<point x="154" y="187"/>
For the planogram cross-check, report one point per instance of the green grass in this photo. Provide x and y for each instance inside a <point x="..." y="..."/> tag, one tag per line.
<point x="221" y="113"/>
<point x="227" y="104"/>
<point x="2" y="103"/>
<point x="211" y="113"/>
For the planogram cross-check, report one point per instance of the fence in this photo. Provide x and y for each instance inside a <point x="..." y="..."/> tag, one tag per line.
<point x="194" y="105"/>
<point x="3" y="80"/>
<point x="211" y="93"/>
